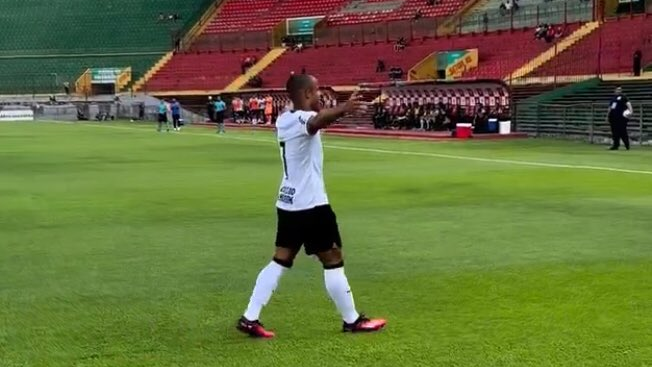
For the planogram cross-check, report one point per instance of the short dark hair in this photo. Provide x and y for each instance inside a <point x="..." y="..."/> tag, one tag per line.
<point x="297" y="83"/>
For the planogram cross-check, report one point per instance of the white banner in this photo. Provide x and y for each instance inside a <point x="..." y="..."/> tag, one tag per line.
<point x="16" y="115"/>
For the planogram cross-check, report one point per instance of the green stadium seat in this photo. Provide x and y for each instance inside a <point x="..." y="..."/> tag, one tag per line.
<point x="64" y="37"/>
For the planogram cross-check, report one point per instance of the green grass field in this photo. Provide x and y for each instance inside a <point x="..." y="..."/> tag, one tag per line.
<point x="123" y="247"/>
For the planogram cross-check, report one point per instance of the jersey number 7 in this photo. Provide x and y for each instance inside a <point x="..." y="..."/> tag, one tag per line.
<point x="285" y="163"/>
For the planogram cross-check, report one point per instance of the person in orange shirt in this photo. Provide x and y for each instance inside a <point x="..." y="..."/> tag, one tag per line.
<point x="269" y="108"/>
<point x="236" y="106"/>
<point x="253" y="109"/>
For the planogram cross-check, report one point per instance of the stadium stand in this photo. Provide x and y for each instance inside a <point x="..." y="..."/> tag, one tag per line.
<point x="495" y="60"/>
<point x="376" y="11"/>
<point x="249" y="15"/>
<point x="52" y="41"/>
<point x="47" y="74"/>
<point x="203" y="71"/>
<point x="609" y="49"/>
<point x="530" y="13"/>
<point x="65" y="26"/>
<point x="582" y="104"/>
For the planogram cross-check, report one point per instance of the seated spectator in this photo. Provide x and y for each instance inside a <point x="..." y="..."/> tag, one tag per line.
<point x="508" y="7"/>
<point x="550" y="35"/>
<point x="380" y="66"/>
<point x="396" y="73"/>
<point x="505" y="7"/>
<point x="400" y="44"/>
<point x="559" y="32"/>
<point x="248" y="62"/>
<point x="380" y="117"/>
<point x="418" y="15"/>
<point x="427" y="118"/>
<point x="161" y="17"/>
<point x="298" y="47"/>
<point x="541" y="31"/>
<point x="431" y="2"/>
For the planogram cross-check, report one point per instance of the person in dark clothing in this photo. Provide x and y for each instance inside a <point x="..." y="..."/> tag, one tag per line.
<point x="637" y="63"/>
<point x="618" y="115"/>
<point x="177" y="44"/>
<point x="380" y="66"/>
<point x="175" y="108"/>
<point x="377" y="118"/>
<point x="210" y="109"/>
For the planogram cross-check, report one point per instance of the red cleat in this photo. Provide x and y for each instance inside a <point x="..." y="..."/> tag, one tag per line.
<point x="253" y="328"/>
<point x="364" y="324"/>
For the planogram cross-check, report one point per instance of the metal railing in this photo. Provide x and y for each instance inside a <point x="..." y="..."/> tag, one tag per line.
<point x="582" y="121"/>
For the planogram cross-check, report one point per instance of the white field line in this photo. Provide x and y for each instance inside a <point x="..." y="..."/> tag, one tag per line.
<point x="412" y="153"/>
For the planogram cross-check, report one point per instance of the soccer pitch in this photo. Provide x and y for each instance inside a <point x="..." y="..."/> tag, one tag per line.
<point x="123" y="247"/>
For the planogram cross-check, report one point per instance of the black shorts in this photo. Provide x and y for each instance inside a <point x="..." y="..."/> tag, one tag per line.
<point x="162" y="117"/>
<point x="315" y="229"/>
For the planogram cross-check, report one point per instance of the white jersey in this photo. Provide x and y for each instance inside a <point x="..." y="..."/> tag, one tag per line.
<point x="302" y="157"/>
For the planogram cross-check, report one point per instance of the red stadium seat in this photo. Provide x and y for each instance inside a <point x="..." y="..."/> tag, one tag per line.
<point x="199" y="71"/>
<point x="406" y="11"/>
<point x="331" y="64"/>
<point x="250" y="15"/>
<point x="617" y="40"/>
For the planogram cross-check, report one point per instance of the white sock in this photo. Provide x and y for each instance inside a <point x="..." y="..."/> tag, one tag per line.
<point x="338" y="289"/>
<point x="266" y="283"/>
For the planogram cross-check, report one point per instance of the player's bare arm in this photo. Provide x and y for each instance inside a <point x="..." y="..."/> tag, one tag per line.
<point x="354" y="106"/>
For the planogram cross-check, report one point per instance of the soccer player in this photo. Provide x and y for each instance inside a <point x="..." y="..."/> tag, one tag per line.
<point x="304" y="216"/>
<point x="163" y="116"/>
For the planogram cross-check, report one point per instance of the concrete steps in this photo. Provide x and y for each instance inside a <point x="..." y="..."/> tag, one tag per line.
<point x="554" y="50"/>
<point x="264" y="62"/>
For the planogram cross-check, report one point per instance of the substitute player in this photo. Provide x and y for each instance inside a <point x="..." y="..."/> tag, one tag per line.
<point x="304" y="216"/>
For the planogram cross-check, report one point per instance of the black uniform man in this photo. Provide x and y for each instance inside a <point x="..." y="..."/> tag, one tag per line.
<point x="619" y="110"/>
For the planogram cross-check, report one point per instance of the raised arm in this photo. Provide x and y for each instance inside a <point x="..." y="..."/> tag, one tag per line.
<point x="354" y="106"/>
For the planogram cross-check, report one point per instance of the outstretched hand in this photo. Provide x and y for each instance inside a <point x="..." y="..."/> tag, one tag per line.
<point x="355" y="105"/>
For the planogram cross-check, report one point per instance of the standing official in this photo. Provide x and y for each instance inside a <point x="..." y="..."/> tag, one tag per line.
<point x="220" y="108"/>
<point x="620" y="109"/>
<point x="163" y="116"/>
<point x="176" y="114"/>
